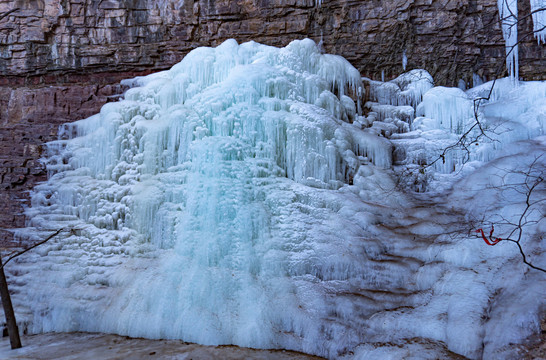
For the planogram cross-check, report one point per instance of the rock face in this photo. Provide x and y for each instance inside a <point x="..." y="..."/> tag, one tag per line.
<point x="61" y="60"/>
<point x="450" y="38"/>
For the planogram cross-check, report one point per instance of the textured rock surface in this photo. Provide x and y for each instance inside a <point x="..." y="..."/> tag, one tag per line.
<point x="450" y="38"/>
<point x="60" y="60"/>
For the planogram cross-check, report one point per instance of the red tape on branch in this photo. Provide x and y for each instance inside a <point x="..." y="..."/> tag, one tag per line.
<point x="489" y="241"/>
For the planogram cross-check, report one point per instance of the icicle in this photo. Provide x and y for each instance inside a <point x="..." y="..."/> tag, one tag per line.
<point x="508" y="12"/>
<point x="538" y="10"/>
<point x="476" y="80"/>
<point x="406" y="89"/>
<point x="450" y="107"/>
<point x="321" y="42"/>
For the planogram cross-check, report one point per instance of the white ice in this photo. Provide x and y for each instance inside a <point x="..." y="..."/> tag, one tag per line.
<point x="538" y="14"/>
<point x="241" y="198"/>
<point x="406" y="89"/>
<point x="508" y="12"/>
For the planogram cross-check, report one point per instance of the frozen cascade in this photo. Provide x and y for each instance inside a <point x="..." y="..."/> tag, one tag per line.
<point x="451" y="108"/>
<point x="209" y="175"/>
<point x="406" y="89"/>
<point x="241" y="198"/>
<point x="393" y="103"/>
<point x="513" y="112"/>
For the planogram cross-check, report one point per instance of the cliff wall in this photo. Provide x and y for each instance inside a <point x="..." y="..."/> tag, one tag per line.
<point x="61" y="60"/>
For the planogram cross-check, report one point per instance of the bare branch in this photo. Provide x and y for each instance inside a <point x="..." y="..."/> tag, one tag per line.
<point x="32" y="247"/>
<point x="522" y="222"/>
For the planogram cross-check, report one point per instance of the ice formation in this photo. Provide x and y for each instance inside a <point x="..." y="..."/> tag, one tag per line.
<point x="406" y="89"/>
<point x="538" y="14"/>
<point x="451" y="109"/>
<point x="508" y="12"/>
<point x="242" y="198"/>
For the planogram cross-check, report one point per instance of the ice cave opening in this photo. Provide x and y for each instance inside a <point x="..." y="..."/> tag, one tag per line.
<point x="249" y="196"/>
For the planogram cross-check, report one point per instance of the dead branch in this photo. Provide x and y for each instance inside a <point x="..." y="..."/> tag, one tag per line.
<point x="32" y="247"/>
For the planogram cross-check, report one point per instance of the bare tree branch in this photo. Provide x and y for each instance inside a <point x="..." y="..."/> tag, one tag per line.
<point x="32" y="247"/>
<point x="516" y="234"/>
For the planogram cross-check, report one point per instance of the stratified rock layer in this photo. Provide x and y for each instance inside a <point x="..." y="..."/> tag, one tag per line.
<point x="60" y="60"/>
<point x="450" y="38"/>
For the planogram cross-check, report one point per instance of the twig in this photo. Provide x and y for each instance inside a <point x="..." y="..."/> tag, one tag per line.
<point x="32" y="247"/>
<point x="522" y="221"/>
<point x="524" y="257"/>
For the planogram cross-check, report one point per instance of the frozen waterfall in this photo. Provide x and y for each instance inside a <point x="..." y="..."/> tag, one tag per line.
<point x="241" y="197"/>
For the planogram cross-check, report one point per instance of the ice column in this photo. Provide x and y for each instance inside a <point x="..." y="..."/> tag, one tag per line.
<point x="508" y="12"/>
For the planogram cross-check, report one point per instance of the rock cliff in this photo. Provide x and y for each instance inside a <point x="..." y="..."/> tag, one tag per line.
<point x="61" y="60"/>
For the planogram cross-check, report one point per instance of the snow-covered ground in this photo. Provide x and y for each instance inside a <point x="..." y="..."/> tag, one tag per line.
<point x="83" y="346"/>
<point x="243" y="198"/>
